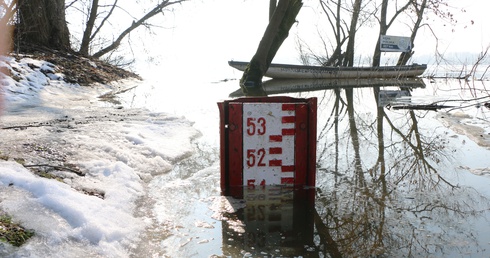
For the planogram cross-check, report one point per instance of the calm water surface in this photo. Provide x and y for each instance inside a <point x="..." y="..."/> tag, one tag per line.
<point x="391" y="181"/>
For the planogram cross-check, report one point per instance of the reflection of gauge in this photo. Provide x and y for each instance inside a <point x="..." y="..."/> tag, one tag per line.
<point x="403" y="44"/>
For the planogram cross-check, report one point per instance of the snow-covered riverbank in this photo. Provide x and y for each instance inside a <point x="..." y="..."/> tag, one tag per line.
<point x="98" y="157"/>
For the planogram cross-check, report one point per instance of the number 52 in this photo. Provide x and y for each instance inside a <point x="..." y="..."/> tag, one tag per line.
<point x="256" y="157"/>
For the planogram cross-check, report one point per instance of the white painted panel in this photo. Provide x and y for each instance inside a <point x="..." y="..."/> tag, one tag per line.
<point x="262" y="129"/>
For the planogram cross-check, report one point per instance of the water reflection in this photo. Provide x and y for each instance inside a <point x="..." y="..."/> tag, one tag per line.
<point x="385" y="187"/>
<point x="278" y="86"/>
<point x="277" y="220"/>
<point x="387" y="193"/>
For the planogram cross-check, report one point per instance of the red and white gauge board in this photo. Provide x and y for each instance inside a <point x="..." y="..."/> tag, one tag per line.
<point x="267" y="141"/>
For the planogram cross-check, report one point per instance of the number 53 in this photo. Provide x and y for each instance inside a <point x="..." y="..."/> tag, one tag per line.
<point x="256" y="126"/>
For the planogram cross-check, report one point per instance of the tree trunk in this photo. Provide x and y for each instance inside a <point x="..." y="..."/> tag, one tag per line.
<point x="336" y="58"/>
<point x="5" y="44"/>
<point x="6" y="30"/>
<point x="276" y="32"/>
<point x="405" y="56"/>
<point x="384" y="25"/>
<point x="349" y="52"/>
<point x="42" y="23"/>
<point x="84" y="47"/>
<point x="272" y="8"/>
<point x="382" y="31"/>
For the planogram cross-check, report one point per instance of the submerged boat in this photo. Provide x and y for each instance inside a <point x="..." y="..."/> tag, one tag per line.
<point x="288" y="71"/>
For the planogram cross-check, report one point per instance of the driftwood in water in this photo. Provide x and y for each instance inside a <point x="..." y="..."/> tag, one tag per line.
<point x="276" y="32"/>
<point x="429" y="107"/>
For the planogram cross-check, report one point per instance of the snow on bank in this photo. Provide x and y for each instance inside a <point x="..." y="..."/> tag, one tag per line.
<point x="46" y="121"/>
<point x="63" y="217"/>
<point x="477" y="129"/>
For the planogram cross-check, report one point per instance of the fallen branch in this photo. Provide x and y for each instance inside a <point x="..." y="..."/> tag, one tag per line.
<point x="61" y="168"/>
<point x="429" y="107"/>
<point x="112" y="94"/>
<point x="21" y="127"/>
<point x="39" y="124"/>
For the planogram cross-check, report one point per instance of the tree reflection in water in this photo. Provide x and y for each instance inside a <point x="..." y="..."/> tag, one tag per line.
<point x="383" y="187"/>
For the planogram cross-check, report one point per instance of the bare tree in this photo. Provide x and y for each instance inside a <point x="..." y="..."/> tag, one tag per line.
<point x="384" y="25"/>
<point x="93" y="28"/>
<point x="43" y="23"/>
<point x="339" y="28"/>
<point x="416" y="10"/>
<point x="344" y="19"/>
<point x="419" y="10"/>
<point x="349" y="58"/>
<point x="89" y="34"/>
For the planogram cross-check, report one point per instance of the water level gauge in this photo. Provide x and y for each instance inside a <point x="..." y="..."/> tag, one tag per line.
<point x="268" y="141"/>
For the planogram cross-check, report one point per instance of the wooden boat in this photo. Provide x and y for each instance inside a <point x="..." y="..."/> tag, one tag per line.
<point x="287" y="71"/>
<point x="281" y="86"/>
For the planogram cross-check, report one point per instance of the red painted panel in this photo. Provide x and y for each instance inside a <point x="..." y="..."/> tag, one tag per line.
<point x="301" y="144"/>
<point x="275" y="163"/>
<point x="288" y="131"/>
<point x="275" y="150"/>
<point x="288" y="168"/>
<point x="223" y="117"/>
<point x="288" y="119"/>
<point x="288" y="106"/>
<point x="275" y="138"/>
<point x="312" y="121"/>
<point x="235" y="155"/>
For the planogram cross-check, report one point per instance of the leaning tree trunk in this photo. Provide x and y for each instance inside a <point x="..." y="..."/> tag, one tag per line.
<point x="276" y="32"/>
<point x="42" y="23"/>
<point x="272" y="8"/>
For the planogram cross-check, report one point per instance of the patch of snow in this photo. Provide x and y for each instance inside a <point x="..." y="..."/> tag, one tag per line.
<point x="119" y="150"/>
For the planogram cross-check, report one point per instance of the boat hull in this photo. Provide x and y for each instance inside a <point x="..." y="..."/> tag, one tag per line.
<point x="286" y="71"/>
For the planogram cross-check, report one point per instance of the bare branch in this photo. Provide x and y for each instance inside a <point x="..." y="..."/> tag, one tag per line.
<point x="60" y="168"/>
<point x="398" y="12"/>
<point x="104" y="20"/>
<point x="71" y="4"/>
<point x="156" y="10"/>
<point x="89" y="27"/>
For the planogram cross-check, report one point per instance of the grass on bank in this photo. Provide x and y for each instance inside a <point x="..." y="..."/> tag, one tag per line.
<point x="13" y="233"/>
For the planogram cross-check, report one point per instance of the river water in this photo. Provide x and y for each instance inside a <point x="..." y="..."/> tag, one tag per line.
<point x="390" y="181"/>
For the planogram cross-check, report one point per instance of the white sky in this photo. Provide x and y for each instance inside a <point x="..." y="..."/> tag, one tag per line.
<point x="210" y="33"/>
